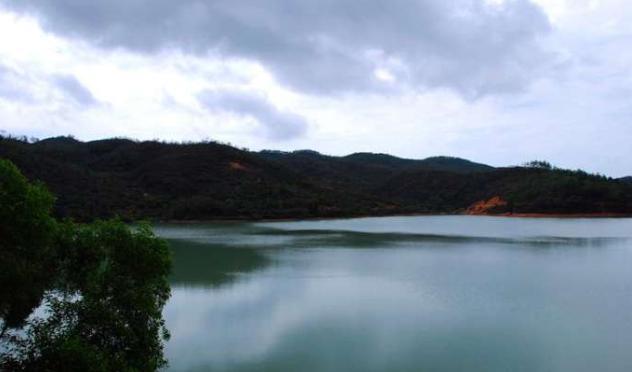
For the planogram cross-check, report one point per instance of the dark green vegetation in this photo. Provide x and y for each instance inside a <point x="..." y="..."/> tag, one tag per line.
<point x="167" y="181"/>
<point x="100" y="288"/>
<point x="527" y="190"/>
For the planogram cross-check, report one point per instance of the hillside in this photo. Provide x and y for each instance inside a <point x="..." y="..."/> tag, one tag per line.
<point x="214" y="181"/>
<point x="523" y="190"/>
<point x="364" y="171"/>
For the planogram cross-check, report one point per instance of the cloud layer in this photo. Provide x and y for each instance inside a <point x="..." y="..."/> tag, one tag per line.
<point x="475" y="47"/>
<point x="275" y="124"/>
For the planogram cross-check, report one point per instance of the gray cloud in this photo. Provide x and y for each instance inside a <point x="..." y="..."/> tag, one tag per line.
<point x="72" y="88"/>
<point x="277" y="125"/>
<point x="327" y="46"/>
<point x="12" y="87"/>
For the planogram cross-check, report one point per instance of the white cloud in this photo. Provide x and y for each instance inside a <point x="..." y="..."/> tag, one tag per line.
<point x="510" y="93"/>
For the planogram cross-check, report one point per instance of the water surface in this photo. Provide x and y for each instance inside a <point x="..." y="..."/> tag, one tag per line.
<point x="402" y="294"/>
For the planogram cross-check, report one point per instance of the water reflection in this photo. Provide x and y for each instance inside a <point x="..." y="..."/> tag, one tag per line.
<point x="210" y="265"/>
<point x="275" y="297"/>
<point x="356" y="239"/>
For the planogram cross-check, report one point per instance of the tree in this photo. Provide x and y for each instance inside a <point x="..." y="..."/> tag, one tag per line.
<point x="103" y="285"/>
<point x="539" y="164"/>
<point x="26" y="245"/>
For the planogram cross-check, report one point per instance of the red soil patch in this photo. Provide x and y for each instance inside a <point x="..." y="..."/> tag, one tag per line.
<point x="486" y="207"/>
<point x="235" y="165"/>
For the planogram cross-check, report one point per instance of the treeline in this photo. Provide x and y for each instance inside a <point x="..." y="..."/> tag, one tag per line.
<point x="525" y="189"/>
<point x="210" y="180"/>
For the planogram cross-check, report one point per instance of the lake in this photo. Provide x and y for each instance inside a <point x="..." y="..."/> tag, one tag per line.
<point x="445" y="293"/>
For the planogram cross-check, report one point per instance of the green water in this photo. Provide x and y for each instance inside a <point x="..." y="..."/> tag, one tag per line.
<point x="402" y="294"/>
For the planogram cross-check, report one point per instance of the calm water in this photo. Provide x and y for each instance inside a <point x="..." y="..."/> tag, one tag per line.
<point x="402" y="294"/>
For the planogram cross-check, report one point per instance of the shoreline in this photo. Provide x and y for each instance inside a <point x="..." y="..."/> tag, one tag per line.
<point x="564" y="215"/>
<point x="599" y="215"/>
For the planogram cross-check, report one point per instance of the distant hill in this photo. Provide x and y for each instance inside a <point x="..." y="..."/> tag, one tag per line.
<point x="215" y="181"/>
<point x="626" y="179"/>
<point x="450" y="164"/>
<point x="383" y="160"/>
<point x="364" y="171"/>
<point x="438" y="163"/>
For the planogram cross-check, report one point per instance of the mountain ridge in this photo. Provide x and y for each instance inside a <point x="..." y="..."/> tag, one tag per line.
<point x="210" y="180"/>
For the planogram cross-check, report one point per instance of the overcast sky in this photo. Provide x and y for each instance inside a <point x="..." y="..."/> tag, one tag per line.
<point x="496" y="81"/>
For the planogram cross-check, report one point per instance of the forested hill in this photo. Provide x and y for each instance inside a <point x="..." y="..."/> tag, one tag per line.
<point x="210" y="180"/>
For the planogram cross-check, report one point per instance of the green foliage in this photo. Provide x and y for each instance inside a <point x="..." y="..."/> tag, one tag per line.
<point x="103" y="285"/>
<point x="564" y="191"/>
<point x="26" y="244"/>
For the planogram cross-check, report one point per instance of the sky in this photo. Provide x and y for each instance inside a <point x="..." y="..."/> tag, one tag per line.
<point x="501" y="82"/>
